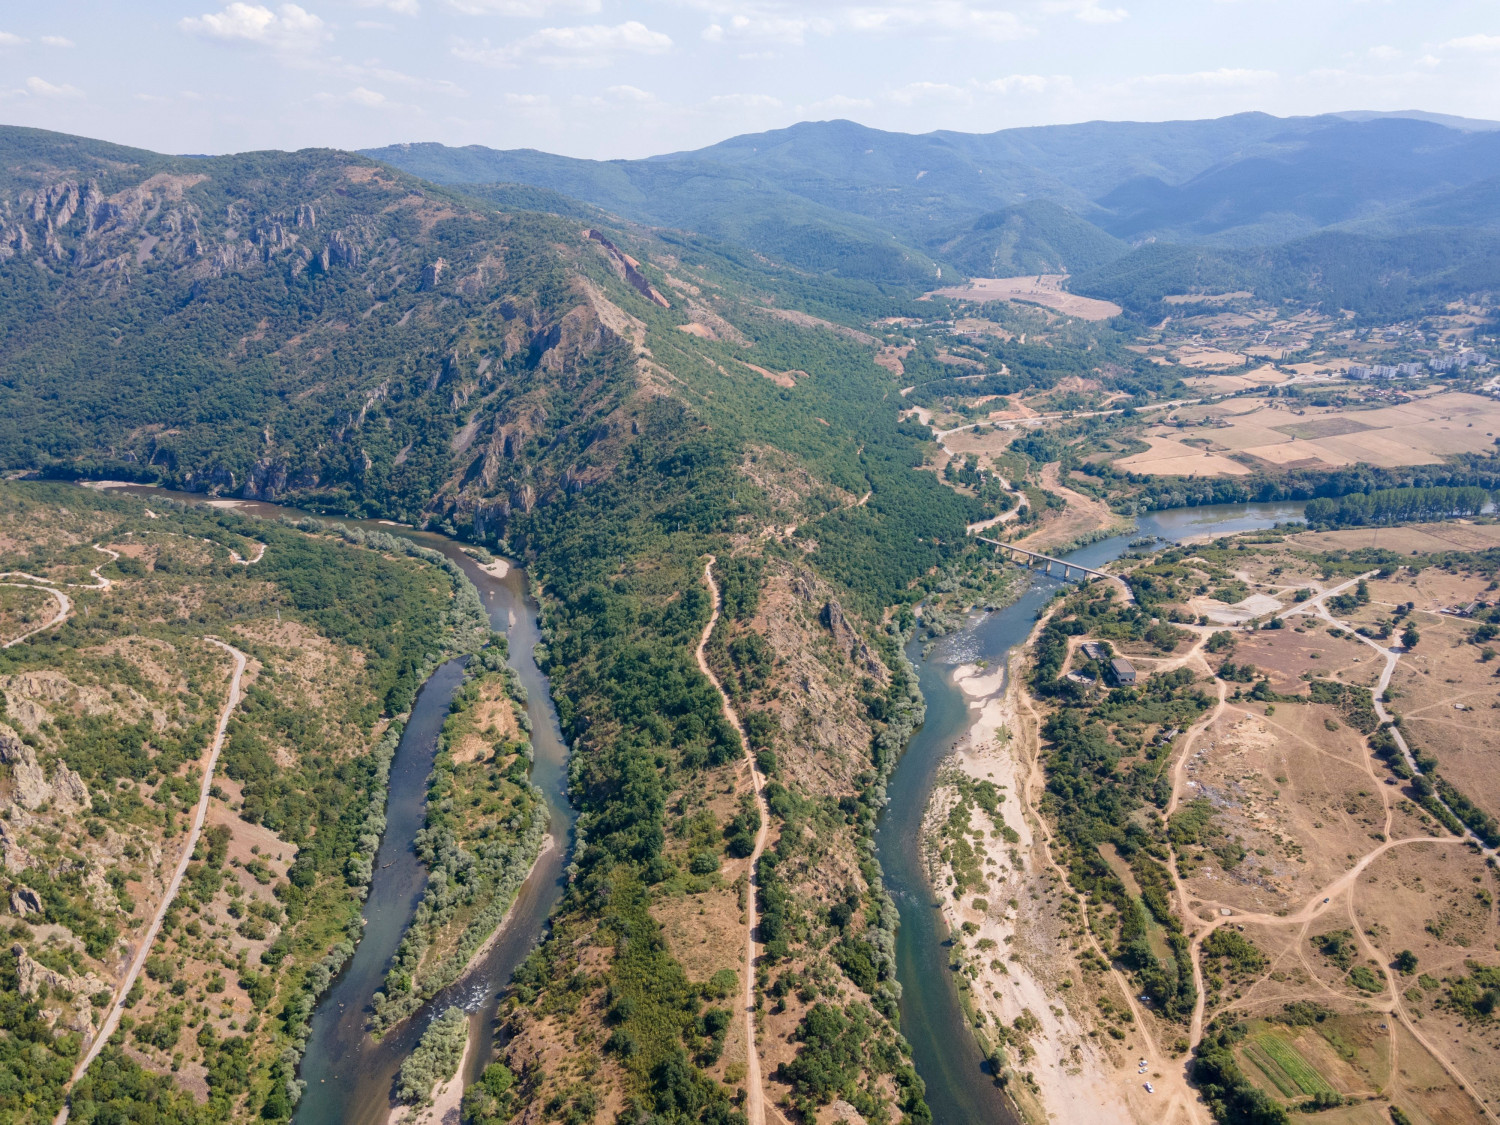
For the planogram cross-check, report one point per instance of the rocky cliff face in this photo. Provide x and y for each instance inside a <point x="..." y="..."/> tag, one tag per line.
<point x="30" y="787"/>
<point x="382" y="341"/>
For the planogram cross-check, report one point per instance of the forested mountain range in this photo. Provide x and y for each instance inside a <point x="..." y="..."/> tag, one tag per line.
<point x="518" y="361"/>
<point x="843" y="199"/>
<point x="607" y="403"/>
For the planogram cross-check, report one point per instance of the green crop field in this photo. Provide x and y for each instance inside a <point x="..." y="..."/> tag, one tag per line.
<point x="1284" y="1065"/>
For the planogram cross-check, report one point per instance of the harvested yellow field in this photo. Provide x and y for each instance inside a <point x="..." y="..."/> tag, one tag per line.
<point x="1197" y="355"/>
<point x="1167" y="457"/>
<point x="1041" y="289"/>
<point x="1266" y="376"/>
<point x="1428" y="538"/>
<point x="1414" y="433"/>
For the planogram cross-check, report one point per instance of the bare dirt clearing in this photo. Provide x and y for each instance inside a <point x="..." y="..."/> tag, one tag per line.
<point x="1041" y="289"/>
<point x="1429" y="538"/>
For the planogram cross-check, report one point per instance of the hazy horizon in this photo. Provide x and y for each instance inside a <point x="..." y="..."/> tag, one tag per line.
<point x="627" y="78"/>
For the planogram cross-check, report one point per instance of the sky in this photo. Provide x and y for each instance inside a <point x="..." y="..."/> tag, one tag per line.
<point x="629" y="78"/>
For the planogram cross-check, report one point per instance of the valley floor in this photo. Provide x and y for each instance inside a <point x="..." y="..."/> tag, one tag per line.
<point x="1332" y="867"/>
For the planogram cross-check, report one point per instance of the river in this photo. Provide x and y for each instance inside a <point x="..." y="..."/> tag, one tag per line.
<point x="959" y="1089"/>
<point x="349" y="1076"/>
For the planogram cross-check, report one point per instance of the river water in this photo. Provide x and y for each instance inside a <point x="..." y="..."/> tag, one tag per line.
<point x="350" y="1077"/>
<point x="959" y="1089"/>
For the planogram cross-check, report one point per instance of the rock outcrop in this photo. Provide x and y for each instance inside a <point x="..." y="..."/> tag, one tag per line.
<point x="30" y="787"/>
<point x="25" y="901"/>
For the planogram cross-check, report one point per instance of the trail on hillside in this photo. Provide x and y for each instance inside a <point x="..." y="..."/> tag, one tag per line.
<point x="48" y="586"/>
<point x="64" y="604"/>
<point x="755" y="1105"/>
<point x="117" y="1007"/>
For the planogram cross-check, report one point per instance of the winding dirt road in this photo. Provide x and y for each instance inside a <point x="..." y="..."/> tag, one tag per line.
<point x="64" y="605"/>
<point x="47" y="586"/>
<point x="117" y="1007"/>
<point x="1337" y="894"/>
<point x="755" y="1101"/>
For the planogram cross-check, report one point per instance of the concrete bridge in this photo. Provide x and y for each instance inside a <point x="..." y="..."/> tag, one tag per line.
<point x="1033" y="560"/>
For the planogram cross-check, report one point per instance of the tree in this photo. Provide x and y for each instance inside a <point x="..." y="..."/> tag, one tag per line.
<point x="1406" y="962"/>
<point x="1410" y="636"/>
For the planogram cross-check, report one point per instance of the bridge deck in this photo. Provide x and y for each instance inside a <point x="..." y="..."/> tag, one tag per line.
<point x="1050" y="561"/>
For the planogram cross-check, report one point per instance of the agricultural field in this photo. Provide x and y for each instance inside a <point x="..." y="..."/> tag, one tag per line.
<point x="1037" y="289"/>
<point x="1244" y="434"/>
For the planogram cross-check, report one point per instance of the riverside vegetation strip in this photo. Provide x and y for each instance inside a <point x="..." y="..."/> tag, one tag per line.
<point x="319" y="328"/>
<point x="1229" y="858"/>
<point x="116" y="704"/>
<point x="485" y="826"/>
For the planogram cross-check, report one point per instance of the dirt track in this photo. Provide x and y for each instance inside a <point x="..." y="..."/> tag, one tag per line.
<point x="755" y="1104"/>
<point x="1337" y="894"/>
<point x="143" y="950"/>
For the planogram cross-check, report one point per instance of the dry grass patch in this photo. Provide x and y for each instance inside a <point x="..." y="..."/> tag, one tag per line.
<point x="1039" y="289"/>
<point x="1301" y="813"/>
<point x="1285" y="655"/>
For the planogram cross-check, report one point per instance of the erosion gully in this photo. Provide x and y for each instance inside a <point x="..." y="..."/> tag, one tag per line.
<point x="350" y="1077"/>
<point x="960" y="1089"/>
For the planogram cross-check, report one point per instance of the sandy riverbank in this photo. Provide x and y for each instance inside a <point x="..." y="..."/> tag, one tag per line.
<point x="1021" y="975"/>
<point x="447" y="1098"/>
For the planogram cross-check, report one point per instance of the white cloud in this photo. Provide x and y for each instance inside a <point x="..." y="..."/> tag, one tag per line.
<point x="526" y="9"/>
<point x="1475" y="43"/>
<point x="362" y="97"/>
<point x="399" y="7"/>
<point x="375" y="72"/>
<point x="942" y="16"/>
<point x="839" y="103"/>
<point x="1089" y="11"/>
<point x="57" y="41"/>
<point x="527" y="101"/>
<point x="1025" y="83"/>
<point x="914" y="92"/>
<point x="289" y="28"/>
<point x="590" y="45"/>
<point x="10" y="39"/>
<point x="767" y="29"/>
<point x="41" y="88"/>
<point x="1383" y="53"/>
<point x="629" y="94"/>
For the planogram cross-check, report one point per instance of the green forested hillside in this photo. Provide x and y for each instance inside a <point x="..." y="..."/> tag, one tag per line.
<point x="1379" y="278"/>
<point x="743" y="207"/>
<point x="1035" y="237"/>
<point x="323" y="330"/>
